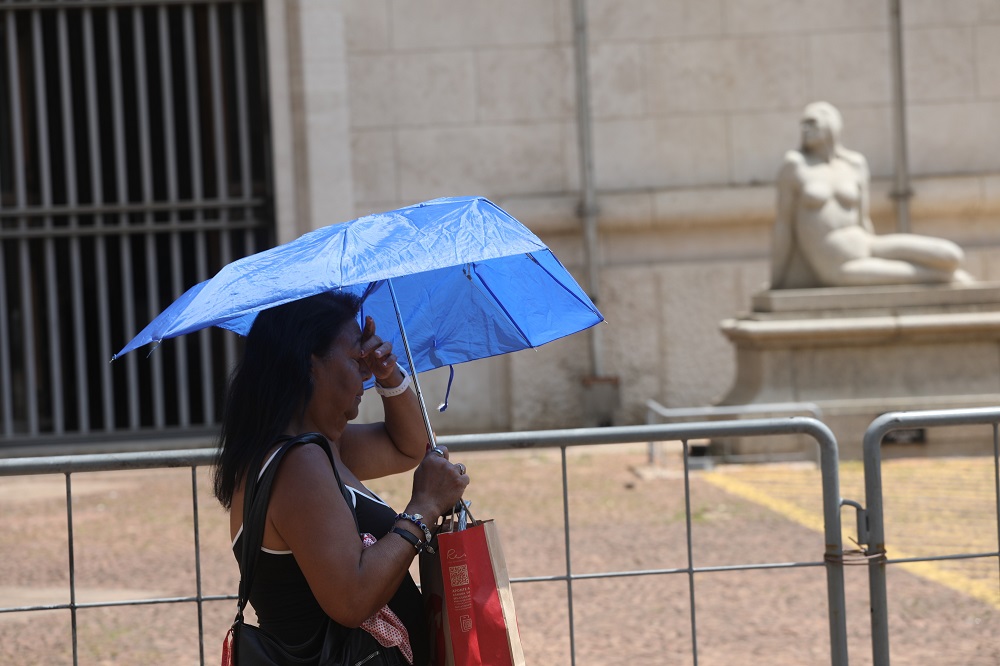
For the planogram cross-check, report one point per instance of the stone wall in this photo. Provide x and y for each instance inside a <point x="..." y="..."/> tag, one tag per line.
<point x="477" y="96"/>
<point x="382" y="103"/>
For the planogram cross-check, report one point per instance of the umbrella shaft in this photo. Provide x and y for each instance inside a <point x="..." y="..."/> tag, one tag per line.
<point x="413" y="367"/>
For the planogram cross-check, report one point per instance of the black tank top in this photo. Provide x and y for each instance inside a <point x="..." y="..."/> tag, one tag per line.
<point x="286" y="607"/>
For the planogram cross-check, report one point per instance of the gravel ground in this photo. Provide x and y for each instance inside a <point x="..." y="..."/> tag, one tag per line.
<point x="133" y="539"/>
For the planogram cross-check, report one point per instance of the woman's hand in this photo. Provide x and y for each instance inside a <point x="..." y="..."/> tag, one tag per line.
<point x="438" y="484"/>
<point x="378" y="355"/>
<point x="373" y="450"/>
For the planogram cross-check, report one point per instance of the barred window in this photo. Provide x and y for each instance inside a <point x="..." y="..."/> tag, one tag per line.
<point x="134" y="163"/>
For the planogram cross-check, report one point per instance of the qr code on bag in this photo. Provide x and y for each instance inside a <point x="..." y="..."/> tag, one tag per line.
<point x="459" y="575"/>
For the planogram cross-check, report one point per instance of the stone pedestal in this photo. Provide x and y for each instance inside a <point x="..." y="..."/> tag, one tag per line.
<point x="860" y="352"/>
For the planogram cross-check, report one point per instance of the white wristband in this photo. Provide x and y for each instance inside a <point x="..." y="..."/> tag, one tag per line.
<point x="395" y="390"/>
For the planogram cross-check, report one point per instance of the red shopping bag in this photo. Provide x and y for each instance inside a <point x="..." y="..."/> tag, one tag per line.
<point x="468" y="600"/>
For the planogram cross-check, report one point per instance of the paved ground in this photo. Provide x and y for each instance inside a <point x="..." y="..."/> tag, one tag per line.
<point x="134" y="539"/>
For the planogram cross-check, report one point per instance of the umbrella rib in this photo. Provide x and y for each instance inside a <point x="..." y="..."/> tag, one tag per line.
<point x="497" y="304"/>
<point x="559" y="282"/>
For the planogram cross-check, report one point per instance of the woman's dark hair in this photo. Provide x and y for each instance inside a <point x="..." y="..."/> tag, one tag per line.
<point x="272" y="384"/>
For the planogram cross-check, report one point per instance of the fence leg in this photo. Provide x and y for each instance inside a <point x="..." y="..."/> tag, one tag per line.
<point x="836" y="604"/>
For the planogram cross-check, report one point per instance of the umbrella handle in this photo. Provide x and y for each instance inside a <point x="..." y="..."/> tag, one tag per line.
<point x="413" y="368"/>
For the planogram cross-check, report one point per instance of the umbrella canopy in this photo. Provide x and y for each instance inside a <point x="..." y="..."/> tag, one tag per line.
<point x="464" y="279"/>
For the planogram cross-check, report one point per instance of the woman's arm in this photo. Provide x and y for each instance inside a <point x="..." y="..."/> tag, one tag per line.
<point x="308" y="513"/>
<point x="400" y="442"/>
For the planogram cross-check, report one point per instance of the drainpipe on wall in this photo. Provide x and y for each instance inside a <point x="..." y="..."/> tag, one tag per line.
<point x="601" y="392"/>
<point x="901" y="191"/>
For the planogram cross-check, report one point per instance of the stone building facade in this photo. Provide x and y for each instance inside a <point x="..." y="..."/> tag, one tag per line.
<point x="381" y="103"/>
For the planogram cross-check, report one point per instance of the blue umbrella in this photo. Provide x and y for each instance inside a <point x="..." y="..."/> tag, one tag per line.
<point x="463" y="279"/>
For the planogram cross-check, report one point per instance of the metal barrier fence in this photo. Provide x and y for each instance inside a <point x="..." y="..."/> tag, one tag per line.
<point x="873" y="517"/>
<point x="69" y="465"/>
<point x="563" y="439"/>
<point x="657" y="413"/>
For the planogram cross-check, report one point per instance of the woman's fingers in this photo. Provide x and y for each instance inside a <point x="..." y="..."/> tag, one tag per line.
<point x="439" y="481"/>
<point x="368" y="332"/>
<point x="377" y="352"/>
<point x="442" y="452"/>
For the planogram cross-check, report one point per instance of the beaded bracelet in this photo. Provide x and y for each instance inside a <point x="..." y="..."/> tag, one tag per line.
<point x="418" y="520"/>
<point x="395" y="390"/>
<point x="410" y="537"/>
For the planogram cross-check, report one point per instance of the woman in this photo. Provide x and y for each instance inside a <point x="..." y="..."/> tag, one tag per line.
<point x="303" y="370"/>
<point x="823" y="236"/>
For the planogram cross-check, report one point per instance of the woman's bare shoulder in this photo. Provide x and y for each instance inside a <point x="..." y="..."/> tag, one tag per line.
<point x="310" y="452"/>
<point x="303" y="484"/>
<point x="304" y="461"/>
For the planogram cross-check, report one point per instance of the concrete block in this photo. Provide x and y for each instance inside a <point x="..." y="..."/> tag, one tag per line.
<point x="851" y="69"/>
<point x="645" y="20"/>
<point x="399" y="90"/>
<point x="435" y="89"/>
<point x="527" y="84"/>
<point x="758" y="142"/>
<point x="953" y="138"/>
<point x="681" y="150"/>
<point x="786" y="16"/>
<point x="868" y="130"/>
<point x="618" y="80"/>
<point x="987" y="42"/>
<point x="462" y="24"/>
<point x="748" y="73"/>
<point x="601" y="400"/>
<point x="940" y="64"/>
<point x="698" y="362"/>
<point x="988" y="10"/>
<point x="373" y="96"/>
<point x="630" y="302"/>
<point x="547" y="385"/>
<point x="480" y="159"/>
<point x="369" y="25"/>
<point x="920" y="13"/>
<point x="373" y="157"/>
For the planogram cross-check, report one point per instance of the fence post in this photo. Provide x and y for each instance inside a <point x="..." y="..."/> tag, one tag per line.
<point x="875" y="550"/>
<point x="872" y="450"/>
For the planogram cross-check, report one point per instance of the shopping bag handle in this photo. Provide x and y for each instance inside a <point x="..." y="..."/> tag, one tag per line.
<point x="462" y="515"/>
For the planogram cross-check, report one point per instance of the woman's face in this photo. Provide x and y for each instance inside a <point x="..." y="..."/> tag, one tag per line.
<point x="338" y="382"/>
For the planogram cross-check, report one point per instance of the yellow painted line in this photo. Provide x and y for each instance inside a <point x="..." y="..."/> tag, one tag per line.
<point x="932" y="571"/>
<point x="780" y="506"/>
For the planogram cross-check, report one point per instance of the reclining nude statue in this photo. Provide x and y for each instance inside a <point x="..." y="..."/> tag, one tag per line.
<point x="823" y="236"/>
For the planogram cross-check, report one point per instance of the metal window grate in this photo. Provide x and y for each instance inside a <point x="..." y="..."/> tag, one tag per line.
<point x="133" y="164"/>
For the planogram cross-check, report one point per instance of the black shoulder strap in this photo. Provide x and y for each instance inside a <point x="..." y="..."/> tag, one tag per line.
<point x="255" y="501"/>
